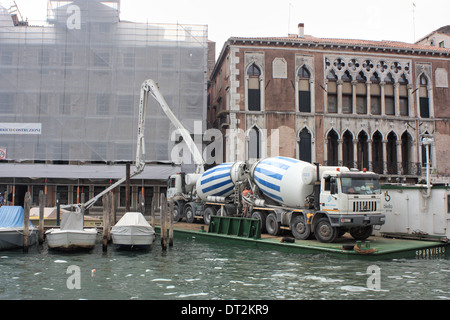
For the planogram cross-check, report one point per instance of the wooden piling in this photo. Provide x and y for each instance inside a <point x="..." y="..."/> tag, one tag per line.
<point x="112" y="213"/>
<point x="58" y="211"/>
<point x="26" y="221"/>
<point x="163" y="222"/>
<point x="106" y="211"/>
<point x="41" y="216"/>
<point x="127" y="188"/>
<point x="116" y="202"/>
<point x="140" y="205"/>
<point x="83" y="209"/>
<point x="171" y="223"/>
<point x="152" y="212"/>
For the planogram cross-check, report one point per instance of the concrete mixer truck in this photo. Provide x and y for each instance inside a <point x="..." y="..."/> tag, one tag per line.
<point x="283" y="193"/>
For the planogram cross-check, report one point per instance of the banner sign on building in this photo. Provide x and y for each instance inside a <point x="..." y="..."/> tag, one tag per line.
<point x="20" y="128"/>
<point x="2" y="153"/>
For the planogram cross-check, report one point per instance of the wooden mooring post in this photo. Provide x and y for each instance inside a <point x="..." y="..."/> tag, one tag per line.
<point x="141" y="204"/>
<point x="127" y="188"/>
<point x="152" y="212"/>
<point x="163" y="221"/>
<point x="106" y="220"/>
<point x="83" y="209"/>
<point x="58" y="211"/>
<point x="41" y="216"/>
<point x="26" y="221"/>
<point x="171" y="206"/>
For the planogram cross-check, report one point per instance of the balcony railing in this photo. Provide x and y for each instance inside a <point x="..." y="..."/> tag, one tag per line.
<point x="385" y="168"/>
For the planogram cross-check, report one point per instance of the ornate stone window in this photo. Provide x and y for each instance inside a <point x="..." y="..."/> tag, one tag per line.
<point x="304" y="83"/>
<point x="375" y="94"/>
<point x="254" y="72"/>
<point x="361" y="94"/>
<point x="254" y="90"/>
<point x="423" y="97"/>
<point x="403" y="96"/>
<point x="332" y="96"/>
<point x="378" y="87"/>
<point x="304" y="90"/>
<point x="389" y="99"/>
<point x="347" y="93"/>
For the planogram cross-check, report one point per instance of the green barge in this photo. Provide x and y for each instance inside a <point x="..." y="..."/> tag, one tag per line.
<point x="240" y="231"/>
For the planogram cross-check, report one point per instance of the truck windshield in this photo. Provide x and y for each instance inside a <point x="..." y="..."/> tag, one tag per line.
<point x="171" y="183"/>
<point x="360" y="185"/>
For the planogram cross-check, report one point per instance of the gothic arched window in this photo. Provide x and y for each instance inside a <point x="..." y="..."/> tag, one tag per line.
<point x="254" y="89"/>
<point x="304" y="91"/>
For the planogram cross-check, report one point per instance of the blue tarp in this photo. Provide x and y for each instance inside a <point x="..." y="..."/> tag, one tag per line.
<point x="11" y="217"/>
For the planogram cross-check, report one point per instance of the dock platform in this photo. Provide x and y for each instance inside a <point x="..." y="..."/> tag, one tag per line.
<point x="374" y="248"/>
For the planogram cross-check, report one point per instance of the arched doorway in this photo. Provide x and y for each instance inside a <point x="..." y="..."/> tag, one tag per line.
<point x="347" y="149"/>
<point x="305" y="152"/>
<point x="254" y="143"/>
<point x="332" y="148"/>
<point x="363" y="154"/>
<point x="391" y="153"/>
<point x="407" y="145"/>
<point x="377" y="152"/>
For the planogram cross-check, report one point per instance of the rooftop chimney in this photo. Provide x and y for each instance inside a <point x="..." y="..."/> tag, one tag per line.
<point x="301" y="30"/>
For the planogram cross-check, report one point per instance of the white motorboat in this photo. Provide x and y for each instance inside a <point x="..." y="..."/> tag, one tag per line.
<point x="72" y="235"/>
<point x="11" y="228"/>
<point x="133" y="231"/>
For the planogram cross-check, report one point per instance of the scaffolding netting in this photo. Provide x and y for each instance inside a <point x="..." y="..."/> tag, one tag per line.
<point x="69" y="88"/>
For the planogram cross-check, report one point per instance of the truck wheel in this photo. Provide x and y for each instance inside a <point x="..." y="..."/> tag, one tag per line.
<point x="262" y="218"/>
<point x="222" y="212"/>
<point x="324" y="232"/>
<point x="176" y="213"/>
<point x="361" y="233"/>
<point x="272" y="225"/>
<point x="210" y="211"/>
<point x="299" y="228"/>
<point x="189" y="214"/>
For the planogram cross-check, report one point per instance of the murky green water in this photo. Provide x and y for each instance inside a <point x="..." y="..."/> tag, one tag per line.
<point x="194" y="269"/>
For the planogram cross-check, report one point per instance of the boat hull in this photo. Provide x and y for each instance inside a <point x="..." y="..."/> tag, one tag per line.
<point x="71" y="239"/>
<point x="132" y="236"/>
<point x="12" y="238"/>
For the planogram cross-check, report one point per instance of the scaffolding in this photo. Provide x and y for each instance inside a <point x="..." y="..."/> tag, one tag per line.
<point x="69" y="88"/>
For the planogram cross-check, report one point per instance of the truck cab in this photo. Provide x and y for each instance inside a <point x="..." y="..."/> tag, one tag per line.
<point x="175" y="185"/>
<point x="352" y="202"/>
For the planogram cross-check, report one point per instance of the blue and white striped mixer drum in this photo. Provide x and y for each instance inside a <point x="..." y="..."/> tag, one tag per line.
<point x="216" y="182"/>
<point x="285" y="180"/>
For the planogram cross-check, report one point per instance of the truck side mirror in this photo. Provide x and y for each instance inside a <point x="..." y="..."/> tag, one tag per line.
<point x="333" y="186"/>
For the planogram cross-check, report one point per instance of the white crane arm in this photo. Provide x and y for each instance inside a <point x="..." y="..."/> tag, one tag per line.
<point x="152" y="87"/>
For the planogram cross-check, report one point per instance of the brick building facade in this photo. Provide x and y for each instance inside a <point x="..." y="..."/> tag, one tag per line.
<point x="358" y="103"/>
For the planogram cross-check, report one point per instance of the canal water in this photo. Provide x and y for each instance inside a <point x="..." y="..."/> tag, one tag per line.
<point x="194" y="269"/>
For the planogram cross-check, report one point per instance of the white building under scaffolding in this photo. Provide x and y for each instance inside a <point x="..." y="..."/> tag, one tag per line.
<point x="69" y="95"/>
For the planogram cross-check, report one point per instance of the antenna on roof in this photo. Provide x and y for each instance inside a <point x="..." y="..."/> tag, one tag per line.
<point x="16" y="16"/>
<point x="414" y="22"/>
<point x="289" y="18"/>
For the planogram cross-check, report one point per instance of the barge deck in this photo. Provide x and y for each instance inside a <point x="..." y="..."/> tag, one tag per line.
<point x="374" y="248"/>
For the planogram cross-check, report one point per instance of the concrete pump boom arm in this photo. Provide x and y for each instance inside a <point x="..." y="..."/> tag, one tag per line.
<point x="150" y="86"/>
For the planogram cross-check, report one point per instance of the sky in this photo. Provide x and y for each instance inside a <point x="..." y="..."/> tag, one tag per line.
<point x="396" y="20"/>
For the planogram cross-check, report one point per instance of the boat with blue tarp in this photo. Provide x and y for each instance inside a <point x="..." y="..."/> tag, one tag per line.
<point x="12" y="228"/>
